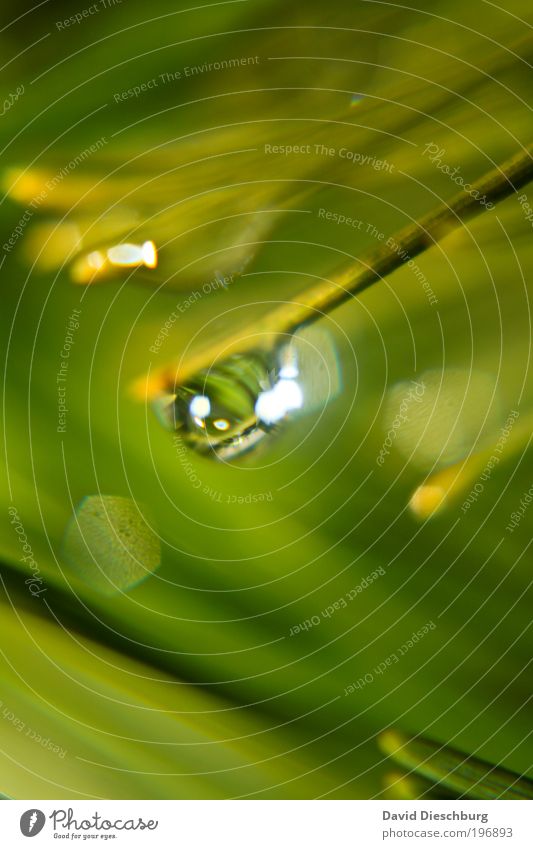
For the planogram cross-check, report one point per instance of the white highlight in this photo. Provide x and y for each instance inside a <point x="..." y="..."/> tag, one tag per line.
<point x="288" y="372"/>
<point x="96" y="260"/>
<point x="131" y="255"/>
<point x="200" y="406"/>
<point x="273" y="405"/>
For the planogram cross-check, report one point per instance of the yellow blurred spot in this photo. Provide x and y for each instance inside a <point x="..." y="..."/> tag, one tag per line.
<point x="87" y="267"/>
<point x="149" y="252"/>
<point x="442" y="416"/>
<point x="442" y="488"/>
<point x="399" y="785"/>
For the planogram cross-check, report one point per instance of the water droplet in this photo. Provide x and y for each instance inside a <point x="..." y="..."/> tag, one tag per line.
<point x="216" y="410"/>
<point x="228" y="409"/>
<point x="108" y="544"/>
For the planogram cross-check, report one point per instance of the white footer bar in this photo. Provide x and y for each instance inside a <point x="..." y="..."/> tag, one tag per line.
<point x="267" y="824"/>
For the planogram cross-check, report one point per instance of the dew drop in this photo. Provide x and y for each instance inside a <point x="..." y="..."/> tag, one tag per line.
<point x="108" y="544"/>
